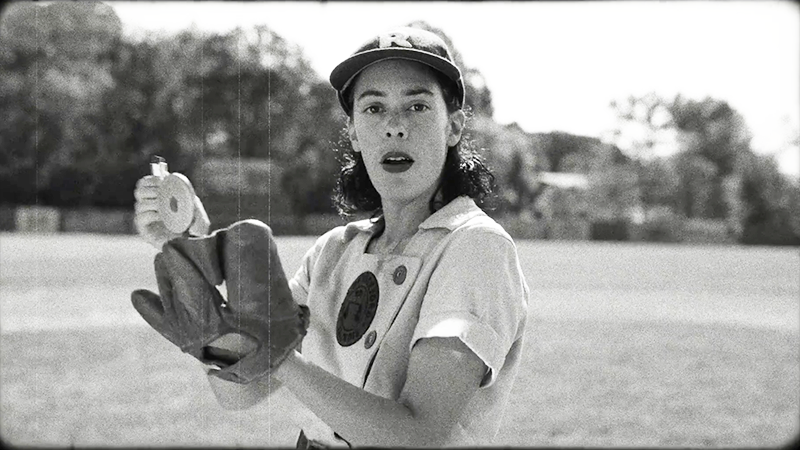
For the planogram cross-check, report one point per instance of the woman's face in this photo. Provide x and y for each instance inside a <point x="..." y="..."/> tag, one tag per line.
<point x="401" y="127"/>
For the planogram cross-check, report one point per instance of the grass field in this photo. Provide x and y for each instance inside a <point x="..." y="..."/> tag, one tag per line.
<point x="627" y="345"/>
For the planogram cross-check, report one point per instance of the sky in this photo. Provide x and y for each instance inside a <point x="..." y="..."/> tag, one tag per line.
<point x="556" y="66"/>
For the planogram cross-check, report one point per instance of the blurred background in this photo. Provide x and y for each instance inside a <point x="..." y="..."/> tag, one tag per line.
<point x="652" y="121"/>
<point x="648" y="162"/>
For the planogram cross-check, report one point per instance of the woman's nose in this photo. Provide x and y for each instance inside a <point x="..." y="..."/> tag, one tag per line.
<point x="396" y="128"/>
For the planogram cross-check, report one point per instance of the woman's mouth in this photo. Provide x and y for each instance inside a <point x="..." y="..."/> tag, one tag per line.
<point x="395" y="162"/>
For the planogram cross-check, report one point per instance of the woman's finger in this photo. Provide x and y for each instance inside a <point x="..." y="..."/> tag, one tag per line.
<point x="145" y="204"/>
<point x="141" y="193"/>
<point x="149" y="181"/>
<point x="144" y="219"/>
<point x="147" y="187"/>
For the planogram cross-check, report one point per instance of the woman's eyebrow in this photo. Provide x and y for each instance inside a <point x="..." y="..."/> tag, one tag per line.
<point x="409" y="93"/>
<point x="418" y="91"/>
<point x="371" y="92"/>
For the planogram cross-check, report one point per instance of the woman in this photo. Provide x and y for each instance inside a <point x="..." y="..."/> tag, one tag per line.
<point x="418" y="315"/>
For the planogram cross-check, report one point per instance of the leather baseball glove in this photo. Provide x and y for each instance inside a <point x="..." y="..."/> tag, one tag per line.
<point x="191" y="313"/>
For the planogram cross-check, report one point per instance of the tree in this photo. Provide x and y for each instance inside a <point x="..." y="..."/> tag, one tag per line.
<point x="770" y="203"/>
<point x="514" y="159"/>
<point x="698" y="186"/>
<point x="86" y="109"/>
<point x="712" y="129"/>
<point x="709" y="135"/>
<point x="54" y="69"/>
<point x="712" y="173"/>
<point x="659" y="183"/>
<point x="644" y="125"/>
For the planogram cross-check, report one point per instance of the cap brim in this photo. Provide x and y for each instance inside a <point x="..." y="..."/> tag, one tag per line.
<point x="347" y="69"/>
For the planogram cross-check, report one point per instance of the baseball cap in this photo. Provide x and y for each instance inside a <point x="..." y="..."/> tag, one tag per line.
<point x="409" y="43"/>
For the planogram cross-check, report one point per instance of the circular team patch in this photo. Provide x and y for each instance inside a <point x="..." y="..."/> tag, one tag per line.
<point x="358" y="309"/>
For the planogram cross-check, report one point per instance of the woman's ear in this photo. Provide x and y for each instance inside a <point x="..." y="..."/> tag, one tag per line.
<point x="455" y="127"/>
<point x="351" y="133"/>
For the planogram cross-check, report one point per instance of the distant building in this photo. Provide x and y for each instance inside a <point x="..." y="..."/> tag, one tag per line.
<point x="233" y="189"/>
<point x="234" y="176"/>
<point x="564" y="180"/>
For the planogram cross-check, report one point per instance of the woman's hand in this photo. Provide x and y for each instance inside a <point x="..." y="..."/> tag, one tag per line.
<point x="149" y="224"/>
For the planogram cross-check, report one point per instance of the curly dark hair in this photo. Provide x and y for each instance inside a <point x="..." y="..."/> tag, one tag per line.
<point x="464" y="173"/>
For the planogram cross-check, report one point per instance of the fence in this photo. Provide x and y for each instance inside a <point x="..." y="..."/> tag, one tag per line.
<point x="40" y="219"/>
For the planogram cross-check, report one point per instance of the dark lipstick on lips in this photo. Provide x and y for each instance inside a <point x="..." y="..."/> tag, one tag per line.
<point x="396" y="162"/>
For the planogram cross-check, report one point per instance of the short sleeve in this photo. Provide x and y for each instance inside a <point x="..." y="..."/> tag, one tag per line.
<point x="301" y="281"/>
<point x="478" y="294"/>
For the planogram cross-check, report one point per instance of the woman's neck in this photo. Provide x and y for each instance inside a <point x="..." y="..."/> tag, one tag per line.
<point x="401" y="220"/>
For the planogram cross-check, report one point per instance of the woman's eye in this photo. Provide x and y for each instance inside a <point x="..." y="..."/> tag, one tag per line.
<point x="372" y="109"/>
<point x="419" y="107"/>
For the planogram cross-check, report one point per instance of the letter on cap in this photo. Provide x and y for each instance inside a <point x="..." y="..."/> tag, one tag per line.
<point x="394" y="38"/>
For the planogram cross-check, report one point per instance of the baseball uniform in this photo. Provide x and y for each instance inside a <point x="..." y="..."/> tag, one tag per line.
<point x="458" y="276"/>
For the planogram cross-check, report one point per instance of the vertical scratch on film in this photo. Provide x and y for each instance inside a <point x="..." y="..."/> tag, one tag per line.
<point x="36" y="125"/>
<point x="269" y="219"/>
<point x="239" y="174"/>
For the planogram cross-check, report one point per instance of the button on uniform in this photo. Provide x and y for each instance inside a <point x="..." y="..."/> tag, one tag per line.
<point x="370" y="340"/>
<point x="400" y="274"/>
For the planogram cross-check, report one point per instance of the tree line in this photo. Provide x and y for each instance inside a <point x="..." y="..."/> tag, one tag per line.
<point x="85" y="109"/>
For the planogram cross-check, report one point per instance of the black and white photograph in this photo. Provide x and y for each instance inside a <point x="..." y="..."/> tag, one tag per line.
<point x="408" y="224"/>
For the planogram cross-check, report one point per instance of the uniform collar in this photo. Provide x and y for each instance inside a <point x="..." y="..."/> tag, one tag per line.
<point x="353" y="228"/>
<point x="453" y="215"/>
<point x="450" y="216"/>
